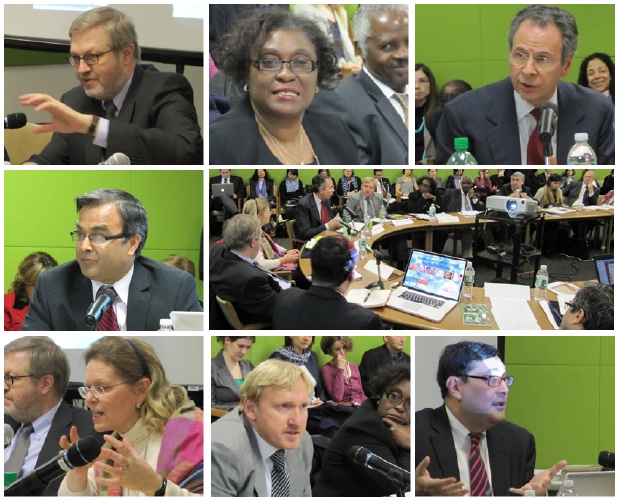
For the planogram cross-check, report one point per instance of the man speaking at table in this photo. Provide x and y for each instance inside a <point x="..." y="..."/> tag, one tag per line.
<point x="500" y="119"/>
<point x="111" y="232"/>
<point x="120" y="106"/>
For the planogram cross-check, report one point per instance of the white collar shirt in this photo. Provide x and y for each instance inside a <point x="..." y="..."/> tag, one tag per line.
<point x="527" y="123"/>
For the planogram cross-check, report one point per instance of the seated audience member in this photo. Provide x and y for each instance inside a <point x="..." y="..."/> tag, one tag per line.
<point x="483" y="184"/>
<point x="111" y="232"/>
<point x="282" y="59"/>
<point x="515" y="188"/>
<point x="323" y="305"/>
<point x="405" y="184"/>
<point x="543" y="177"/>
<point x="472" y="427"/>
<point x="374" y="103"/>
<point x="433" y="174"/>
<point x="591" y="309"/>
<point x="348" y="184"/>
<point x="500" y="179"/>
<point x="497" y="118"/>
<point x="181" y="263"/>
<point x="383" y="184"/>
<point x="567" y="178"/>
<point x="598" y="72"/>
<point x="608" y="183"/>
<point x="298" y="350"/>
<point x="584" y="192"/>
<point x="261" y="186"/>
<point x="341" y="379"/>
<point x="426" y="101"/>
<point x="262" y="448"/>
<point x="292" y="187"/>
<point x="120" y="105"/>
<point x="366" y="202"/>
<point x="234" y="277"/>
<point x="154" y="433"/>
<point x="383" y="426"/>
<point x="229" y="370"/>
<point x="335" y="199"/>
<point x="36" y="376"/>
<point x="550" y="195"/>
<point x="224" y="202"/>
<point x="389" y="353"/>
<point x="454" y="180"/>
<point x="314" y="211"/>
<point x="17" y="300"/>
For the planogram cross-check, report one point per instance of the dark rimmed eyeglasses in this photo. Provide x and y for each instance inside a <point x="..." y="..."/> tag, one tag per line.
<point x="96" y="239"/>
<point x="89" y="59"/>
<point x="493" y="381"/>
<point x="396" y="399"/>
<point x="275" y="65"/>
<point x="10" y="380"/>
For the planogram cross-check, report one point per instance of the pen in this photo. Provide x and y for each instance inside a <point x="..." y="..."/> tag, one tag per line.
<point x="367" y="296"/>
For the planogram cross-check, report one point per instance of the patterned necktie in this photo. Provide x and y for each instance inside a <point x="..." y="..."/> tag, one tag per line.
<point x="584" y="199"/>
<point x="16" y="461"/>
<point x="479" y="482"/>
<point x="280" y="484"/>
<point x="324" y="214"/>
<point x="110" y="110"/>
<point x="109" y="322"/>
<point x="534" y="145"/>
<point x="403" y="99"/>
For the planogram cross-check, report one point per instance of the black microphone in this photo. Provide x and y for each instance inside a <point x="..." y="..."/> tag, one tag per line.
<point x="117" y="159"/>
<point x="378" y="256"/>
<point x="82" y="452"/>
<point x="362" y="456"/>
<point x="548" y="121"/>
<point x="349" y="210"/>
<point x="607" y="459"/>
<point x="15" y="120"/>
<point x="105" y="299"/>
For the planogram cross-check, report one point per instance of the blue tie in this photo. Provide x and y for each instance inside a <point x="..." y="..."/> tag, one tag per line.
<point x="479" y="482"/>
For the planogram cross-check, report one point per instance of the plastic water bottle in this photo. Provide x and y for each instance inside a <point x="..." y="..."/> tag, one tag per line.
<point x="542" y="280"/>
<point x="567" y="489"/>
<point x="461" y="156"/>
<point x="165" y="324"/>
<point x="432" y="213"/>
<point x="382" y="214"/>
<point x="362" y="244"/>
<point x="468" y="284"/>
<point x="581" y="153"/>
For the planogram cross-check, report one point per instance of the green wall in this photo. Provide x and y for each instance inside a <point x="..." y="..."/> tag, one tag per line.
<point x="39" y="212"/>
<point x="563" y="394"/>
<point x="474" y="41"/>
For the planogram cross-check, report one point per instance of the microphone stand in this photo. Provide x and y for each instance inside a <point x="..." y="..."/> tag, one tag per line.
<point x="547" y="151"/>
<point x="378" y="283"/>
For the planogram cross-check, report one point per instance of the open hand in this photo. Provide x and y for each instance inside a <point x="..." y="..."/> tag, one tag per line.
<point x="427" y="486"/>
<point x="540" y="482"/>
<point x="64" y="119"/>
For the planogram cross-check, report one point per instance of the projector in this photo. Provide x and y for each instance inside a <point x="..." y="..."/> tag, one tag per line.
<point x="513" y="206"/>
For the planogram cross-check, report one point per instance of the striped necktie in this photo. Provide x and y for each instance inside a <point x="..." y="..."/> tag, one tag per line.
<point x="479" y="482"/>
<point x="18" y="456"/>
<point x="280" y="483"/>
<point x="109" y="322"/>
<point x="403" y="99"/>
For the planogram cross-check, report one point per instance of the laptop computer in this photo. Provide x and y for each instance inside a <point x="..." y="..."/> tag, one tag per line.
<point x="222" y="189"/>
<point x="604" y="265"/>
<point x="431" y="287"/>
<point x="593" y="483"/>
<point x="187" y="320"/>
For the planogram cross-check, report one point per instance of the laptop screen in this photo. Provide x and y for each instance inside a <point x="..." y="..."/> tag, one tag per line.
<point x="435" y="274"/>
<point x="605" y="269"/>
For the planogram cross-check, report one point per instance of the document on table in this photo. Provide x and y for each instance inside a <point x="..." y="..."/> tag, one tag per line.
<point x="402" y="222"/>
<point x="513" y="314"/>
<point x="443" y="217"/>
<point x="386" y="270"/>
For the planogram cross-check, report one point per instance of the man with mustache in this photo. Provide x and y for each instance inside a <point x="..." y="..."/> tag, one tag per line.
<point x="262" y="448"/>
<point x="120" y="106"/>
<point x="466" y="445"/>
<point x="501" y="119"/>
<point x="374" y="103"/>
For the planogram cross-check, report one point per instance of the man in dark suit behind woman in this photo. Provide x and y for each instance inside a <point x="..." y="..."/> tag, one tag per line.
<point x="314" y="211"/>
<point x="390" y="353"/>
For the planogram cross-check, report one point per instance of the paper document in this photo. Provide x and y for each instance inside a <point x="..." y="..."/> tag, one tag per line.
<point x="470" y="213"/>
<point x="402" y="222"/>
<point x="513" y="314"/>
<point x="506" y="291"/>
<point x="442" y="217"/>
<point x="386" y="270"/>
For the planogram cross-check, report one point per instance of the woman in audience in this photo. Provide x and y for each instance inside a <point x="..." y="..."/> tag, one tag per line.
<point x="282" y="60"/>
<point x="438" y="181"/>
<point x="261" y="186"/>
<point x="425" y="102"/>
<point x="454" y="180"/>
<point x="348" y="184"/>
<point x="483" y="186"/>
<point x="341" y="379"/>
<point x="405" y="184"/>
<point x="182" y="263"/>
<point x="383" y="426"/>
<point x="598" y="72"/>
<point x="608" y="183"/>
<point x="550" y="195"/>
<point x="500" y="179"/>
<point x="292" y="187"/>
<point x="156" y="441"/>
<point x="229" y="370"/>
<point x="298" y="350"/>
<point x="17" y="300"/>
<point x="567" y="178"/>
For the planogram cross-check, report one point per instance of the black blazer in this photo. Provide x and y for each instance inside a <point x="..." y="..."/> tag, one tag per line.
<point x="506" y="190"/>
<point x="574" y="190"/>
<point x="487" y="116"/>
<point x="309" y="218"/>
<point x="66" y="416"/>
<point x="236" y="181"/>
<point x="320" y="308"/>
<point x="62" y="297"/>
<point x="372" y="360"/>
<point x="156" y="125"/>
<point x="452" y="201"/>
<point x="512" y="450"/>
<point x="224" y="389"/>
<point x="417" y="204"/>
<point x="234" y="138"/>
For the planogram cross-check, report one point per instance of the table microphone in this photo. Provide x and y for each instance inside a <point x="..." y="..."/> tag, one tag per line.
<point x="15" y="120"/>
<point x="548" y="121"/>
<point x="364" y="457"/>
<point x="117" y="159"/>
<point x="607" y="459"/>
<point x="105" y="299"/>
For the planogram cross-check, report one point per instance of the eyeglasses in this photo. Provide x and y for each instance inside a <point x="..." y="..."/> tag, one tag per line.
<point x="425" y="185"/>
<point x="493" y="381"/>
<point x="396" y="399"/>
<point x="10" y="380"/>
<point x="96" y="391"/>
<point x="96" y="239"/>
<point x="275" y="65"/>
<point x="521" y="59"/>
<point x="570" y="305"/>
<point x="89" y="59"/>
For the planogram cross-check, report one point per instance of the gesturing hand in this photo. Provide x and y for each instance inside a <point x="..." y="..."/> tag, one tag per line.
<point x="427" y="486"/>
<point x="64" y="119"/>
<point x="80" y="471"/>
<point x="540" y="482"/>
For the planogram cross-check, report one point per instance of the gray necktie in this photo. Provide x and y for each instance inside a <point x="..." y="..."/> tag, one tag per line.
<point x="280" y="484"/>
<point x="110" y="109"/>
<point x="16" y="461"/>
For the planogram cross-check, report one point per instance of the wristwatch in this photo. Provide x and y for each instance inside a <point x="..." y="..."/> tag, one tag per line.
<point x="162" y="489"/>
<point x="93" y="126"/>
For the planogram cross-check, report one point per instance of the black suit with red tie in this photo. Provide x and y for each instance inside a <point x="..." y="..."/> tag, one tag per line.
<point x="308" y="217"/>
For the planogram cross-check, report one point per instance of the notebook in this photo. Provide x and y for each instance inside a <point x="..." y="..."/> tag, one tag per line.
<point x="431" y="287"/>
<point x="605" y="268"/>
<point x="222" y="189"/>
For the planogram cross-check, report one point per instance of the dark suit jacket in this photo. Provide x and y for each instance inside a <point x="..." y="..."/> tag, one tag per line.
<point x="320" y="308"/>
<point x="156" y="125"/>
<point x="387" y="186"/>
<point x="236" y="181"/>
<point x="62" y="297"/>
<point x="234" y="139"/>
<point x="379" y="131"/>
<point x="506" y="190"/>
<point x="452" y="201"/>
<point x="340" y="477"/>
<point x="512" y="450"/>
<point x="372" y="360"/>
<point x="66" y="416"/>
<point x="574" y="189"/>
<point x="252" y="292"/>
<point x="309" y="218"/>
<point x="487" y="116"/>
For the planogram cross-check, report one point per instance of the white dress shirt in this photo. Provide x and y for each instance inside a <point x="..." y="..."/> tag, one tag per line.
<point x="527" y="124"/>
